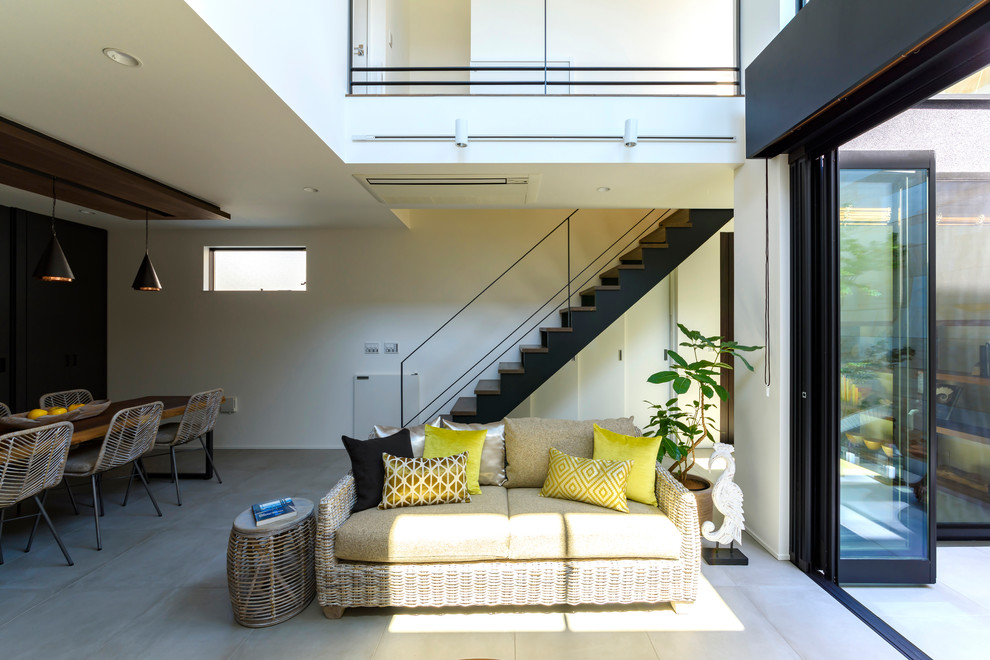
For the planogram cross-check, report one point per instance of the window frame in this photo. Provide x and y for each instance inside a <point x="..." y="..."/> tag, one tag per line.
<point x="209" y="278"/>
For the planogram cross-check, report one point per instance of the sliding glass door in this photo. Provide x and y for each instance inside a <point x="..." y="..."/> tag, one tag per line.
<point x="886" y="528"/>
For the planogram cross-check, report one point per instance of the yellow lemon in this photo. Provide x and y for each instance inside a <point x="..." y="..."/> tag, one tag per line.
<point x="76" y="405"/>
<point x="36" y="413"/>
<point x="57" y="410"/>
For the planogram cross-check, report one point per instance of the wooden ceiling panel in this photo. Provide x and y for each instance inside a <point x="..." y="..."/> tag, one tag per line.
<point x="29" y="160"/>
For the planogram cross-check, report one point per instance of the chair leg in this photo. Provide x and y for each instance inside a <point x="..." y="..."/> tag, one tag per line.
<point x="210" y="459"/>
<point x="127" y="491"/>
<point x="175" y="476"/>
<point x="99" y="489"/>
<point x="34" y="527"/>
<point x="72" y="500"/>
<point x="140" y="472"/>
<point x="96" y="513"/>
<point x="48" y="521"/>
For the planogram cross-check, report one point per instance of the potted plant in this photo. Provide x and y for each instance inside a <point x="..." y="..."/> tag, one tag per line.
<point x="683" y="426"/>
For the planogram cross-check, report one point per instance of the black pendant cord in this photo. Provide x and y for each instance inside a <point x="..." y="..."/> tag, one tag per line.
<point x="146" y="231"/>
<point x="53" y="206"/>
<point x="766" y="281"/>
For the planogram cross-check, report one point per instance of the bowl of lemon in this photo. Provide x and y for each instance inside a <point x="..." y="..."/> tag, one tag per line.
<point x="42" y="416"/>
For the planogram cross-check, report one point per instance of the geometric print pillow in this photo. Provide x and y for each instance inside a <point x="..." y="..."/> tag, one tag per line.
<point x="420" y="481"/>
<point x="600" y="482"/>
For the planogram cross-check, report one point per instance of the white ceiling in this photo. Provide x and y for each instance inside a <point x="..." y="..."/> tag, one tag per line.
<point x="193" y="116"/>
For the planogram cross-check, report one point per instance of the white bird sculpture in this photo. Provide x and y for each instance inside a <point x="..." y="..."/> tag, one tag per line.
<point x="727" y="497"/>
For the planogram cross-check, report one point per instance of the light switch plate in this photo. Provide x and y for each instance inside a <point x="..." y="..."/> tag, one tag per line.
<point x="372" y="348"/>
<point x="391" y="347"/>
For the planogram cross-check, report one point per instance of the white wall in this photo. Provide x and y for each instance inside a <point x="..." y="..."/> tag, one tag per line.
<point x="290" y="357"/>
<point x="762" y="416"/>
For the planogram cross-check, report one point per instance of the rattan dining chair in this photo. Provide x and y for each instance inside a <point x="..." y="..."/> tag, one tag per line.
<point x="31" y="462"/>
<point x="65" y="398"/>
<point x="4" y="409"/>
<point x="198" y="420"/>
<point x="130" y="436"/>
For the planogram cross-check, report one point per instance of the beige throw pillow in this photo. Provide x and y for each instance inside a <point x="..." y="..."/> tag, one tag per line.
<point x="492" y="455"/>
<point x="528" y="441"/>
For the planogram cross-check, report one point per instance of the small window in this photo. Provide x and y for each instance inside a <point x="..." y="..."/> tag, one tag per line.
<point x="255" y="269"/>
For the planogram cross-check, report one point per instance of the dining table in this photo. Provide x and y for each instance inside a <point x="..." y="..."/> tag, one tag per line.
<point x="94" y="428"/>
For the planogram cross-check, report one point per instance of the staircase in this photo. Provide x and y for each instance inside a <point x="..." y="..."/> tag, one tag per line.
<point x="637" y="272"/>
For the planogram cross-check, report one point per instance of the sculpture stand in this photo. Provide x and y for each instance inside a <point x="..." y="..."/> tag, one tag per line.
<point x="722" y="556"/>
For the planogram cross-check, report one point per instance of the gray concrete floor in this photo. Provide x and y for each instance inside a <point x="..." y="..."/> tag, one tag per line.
<point x="158" y="589"/>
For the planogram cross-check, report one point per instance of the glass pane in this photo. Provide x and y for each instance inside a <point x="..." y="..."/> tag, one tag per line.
<point x="259" y="270"/>
<point x="962" y="388"/>
<point x="883" y="313"/>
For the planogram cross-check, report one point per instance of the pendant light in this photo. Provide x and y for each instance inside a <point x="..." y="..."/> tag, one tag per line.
<point x="146" y="278"/>
<point x="53" y="266"/>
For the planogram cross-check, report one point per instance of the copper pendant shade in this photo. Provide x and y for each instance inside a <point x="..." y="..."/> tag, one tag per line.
<point x="53" y="266"/>
<point x="146" y="278"/>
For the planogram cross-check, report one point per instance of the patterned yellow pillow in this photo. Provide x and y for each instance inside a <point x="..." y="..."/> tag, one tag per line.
<point x="420" y="481"/>
<point x="587" y="480"/>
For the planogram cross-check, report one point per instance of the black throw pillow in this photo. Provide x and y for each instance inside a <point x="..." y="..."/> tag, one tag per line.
<point x="368" y="467"/>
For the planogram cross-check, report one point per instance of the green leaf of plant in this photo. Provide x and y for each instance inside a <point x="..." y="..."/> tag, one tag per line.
<point x="682" y="385"/>
<point x="676" y="357"/>
<point x="662" y="377"/>
<point x="721" y="392"/>
<point x="746" y="362"/>
<point x="708" y="392"/>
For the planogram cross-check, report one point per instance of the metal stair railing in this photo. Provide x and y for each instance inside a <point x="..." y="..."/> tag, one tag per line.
<point x="568" y="286"/>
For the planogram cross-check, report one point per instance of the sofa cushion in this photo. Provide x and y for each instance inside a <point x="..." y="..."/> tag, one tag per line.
<point x="442" y="442"/>
<point x="542" y="528"/>
<point x="367" y="465"/>
<point x="528" y="441"/>
<point x="417" y="435"/>
<point x="473" y="531"/>
<point x="642" y="481"/>
<point x="602" y="483"/>
<point x="424" y="481"/>
<point x="492" y="471"/>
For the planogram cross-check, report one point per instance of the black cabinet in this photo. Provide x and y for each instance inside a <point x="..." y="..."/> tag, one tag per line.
<point x="6" y="306"/>
<point x="58" y="329"/>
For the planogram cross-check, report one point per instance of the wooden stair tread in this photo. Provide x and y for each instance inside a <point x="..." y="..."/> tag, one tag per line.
<point x="556" y="329"/>
<point x="511" y="368"/>
<point x="488" y="387"/>
<point x="601" y="287"/>
<point x="466" y="406"/>
<point x="639" y="266"/>
<point x="651" y="244"/>
<point x="534" y="349"/>
<point x="585" y="308"/>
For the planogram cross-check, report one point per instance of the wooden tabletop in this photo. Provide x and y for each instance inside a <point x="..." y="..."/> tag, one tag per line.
<point x="96" y="427"/>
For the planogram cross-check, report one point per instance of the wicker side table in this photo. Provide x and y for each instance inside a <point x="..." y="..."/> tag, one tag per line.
<point x="270" y="572"/>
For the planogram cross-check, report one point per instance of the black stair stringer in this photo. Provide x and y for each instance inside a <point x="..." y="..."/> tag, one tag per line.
<point x="609" y="304"/>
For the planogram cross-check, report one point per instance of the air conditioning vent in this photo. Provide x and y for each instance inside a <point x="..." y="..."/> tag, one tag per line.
<point x="455" y="191"/>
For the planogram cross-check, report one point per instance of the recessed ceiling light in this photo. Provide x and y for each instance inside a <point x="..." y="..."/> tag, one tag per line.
<point x="120" y="57"/>
<point x="311" y="189"/>
<point x="87" y="212"/>
<point x="604" y="189"/>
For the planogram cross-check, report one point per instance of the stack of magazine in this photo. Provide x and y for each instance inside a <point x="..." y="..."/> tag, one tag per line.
<point x="267" y="513"/>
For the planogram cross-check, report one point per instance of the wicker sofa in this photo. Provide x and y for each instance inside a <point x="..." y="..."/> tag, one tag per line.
<point x="507" y="547"/>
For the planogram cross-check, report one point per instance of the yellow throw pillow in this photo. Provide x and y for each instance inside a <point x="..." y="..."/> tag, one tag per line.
<point x="612" y="446"/>
<point x="421" y="481"/>
<point x="447" y="442"/>
<point x="587" y="480"/>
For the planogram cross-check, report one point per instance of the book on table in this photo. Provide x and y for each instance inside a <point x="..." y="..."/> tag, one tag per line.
<point x="267" y="513"/>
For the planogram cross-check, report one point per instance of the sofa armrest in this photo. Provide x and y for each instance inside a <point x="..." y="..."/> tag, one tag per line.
<point x="335" y="508"/>
<point x="680" y="506"/>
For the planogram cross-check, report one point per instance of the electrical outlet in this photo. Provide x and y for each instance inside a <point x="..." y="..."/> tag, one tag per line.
<point x="372" y="348"/>
<point x="391" y="347"/>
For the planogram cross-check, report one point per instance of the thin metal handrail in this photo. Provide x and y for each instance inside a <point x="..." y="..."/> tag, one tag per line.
<point x="555" y="308"/>
<point x="659" y="221"/>
<point x="458" y="313"/>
